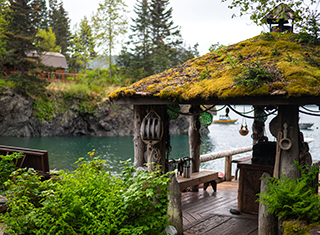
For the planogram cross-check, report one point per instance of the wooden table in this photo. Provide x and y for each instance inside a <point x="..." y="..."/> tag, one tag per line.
<point x="196" y="178"/>
<point x="249" y="185"/>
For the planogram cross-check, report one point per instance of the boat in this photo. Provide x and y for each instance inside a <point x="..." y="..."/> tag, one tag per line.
<point x="223" y="119"/>
<point x="305" y="125"/>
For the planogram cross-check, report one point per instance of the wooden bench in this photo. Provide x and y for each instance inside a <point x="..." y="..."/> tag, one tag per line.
<point x="204" y="176"/>
<point x="32" y="158"/>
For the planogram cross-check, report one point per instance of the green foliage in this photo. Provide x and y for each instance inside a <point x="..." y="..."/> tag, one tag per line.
<point x="43" y="109"/>
<point x="155" y="43"/>
<point x="267" y="36"/>
<point x="7" y="166"/>
<point x="253" y="75"/>
<point x="109" y="22"/>
<point x="47" y="40"/>
<point x="88" y="201"/>
<point x="83" y="47"/>
<point x="60" y="24"/>
<point x="216" y="47"/>
<point x="293" y="198"/>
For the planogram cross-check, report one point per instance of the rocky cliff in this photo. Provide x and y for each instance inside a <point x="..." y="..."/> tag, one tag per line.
<point x="16" y="119"/>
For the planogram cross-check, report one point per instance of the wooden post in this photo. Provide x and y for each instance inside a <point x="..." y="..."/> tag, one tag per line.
<point x="289" y="114"/>
<point x="227" y="167"/>
<point x="258" y="125"/>
<point x="267" y="224"/>
<point x="195" y="141"/>
<point x="161" y="111"/>
<point x="139" y="146"/>
<point x="174" y="206"/>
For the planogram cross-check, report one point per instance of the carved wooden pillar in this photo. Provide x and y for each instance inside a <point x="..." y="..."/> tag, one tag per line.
<point x="288" y="117"/>
<point x="258" y="125"/>
<point x="195" y="141"/>
<point x="161" y="110"/>
<point x="139" y="146"/>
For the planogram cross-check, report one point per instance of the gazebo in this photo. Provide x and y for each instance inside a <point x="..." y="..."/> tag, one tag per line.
<point x="273" y="72"/>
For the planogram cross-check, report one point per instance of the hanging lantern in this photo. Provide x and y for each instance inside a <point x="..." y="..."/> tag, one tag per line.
<point x="244" y="130"/>
<point x="151" y="130"/>
<point x="173" y="112"/>
<point x="227" y="112"/>
<point x="205" y="119"/>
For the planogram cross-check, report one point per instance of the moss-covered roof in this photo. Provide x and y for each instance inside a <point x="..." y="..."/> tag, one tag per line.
<point x="270" y="64"/>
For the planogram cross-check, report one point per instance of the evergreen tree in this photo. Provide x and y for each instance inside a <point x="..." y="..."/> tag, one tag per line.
<point x="3" y="26"/>
<point x="22" y="52"/>
<point x="60" y="24"/>
<point x="21" y="31"/>
<point x="157" y="43"/>
<point x="83" y="47"/>
<point x="109" y="22"/>
<point x="43" y="14"/>
<point x="141" y="37"/>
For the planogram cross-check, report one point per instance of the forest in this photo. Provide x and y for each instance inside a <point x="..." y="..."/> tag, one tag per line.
<point x="153" y="44"/>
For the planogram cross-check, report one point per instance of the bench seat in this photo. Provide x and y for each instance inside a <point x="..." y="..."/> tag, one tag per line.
<point x="196" y="178"/>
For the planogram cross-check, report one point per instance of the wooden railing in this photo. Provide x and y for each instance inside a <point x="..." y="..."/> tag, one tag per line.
<point x="228" y="158"/>
<point x="63" y="76"/>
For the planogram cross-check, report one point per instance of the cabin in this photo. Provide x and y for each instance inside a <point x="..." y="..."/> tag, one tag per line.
<point x="51" y="59"/>
<point x="272" y="72"/>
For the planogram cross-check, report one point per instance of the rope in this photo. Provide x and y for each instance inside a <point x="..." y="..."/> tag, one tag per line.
<point x="309" y="110"/>
<point x="311" y="114"/>
<point x="190" y="114"/>
<point x="242" y="115"/>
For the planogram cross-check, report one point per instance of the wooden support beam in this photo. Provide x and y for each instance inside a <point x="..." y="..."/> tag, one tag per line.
<point x="267" y="223"/>
<point x="195" y="141"/>
<point x="289" y="114"/>
<point x="139" y="146"/>
<point x="227" y="167"/>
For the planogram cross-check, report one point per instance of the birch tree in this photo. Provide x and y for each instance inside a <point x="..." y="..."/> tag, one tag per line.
<point x="109" y="23"/>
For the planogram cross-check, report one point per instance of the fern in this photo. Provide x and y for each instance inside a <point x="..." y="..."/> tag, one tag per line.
<point x="292" y="198"/>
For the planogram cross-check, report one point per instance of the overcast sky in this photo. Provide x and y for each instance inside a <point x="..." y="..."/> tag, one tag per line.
<point x="202" y="21"/>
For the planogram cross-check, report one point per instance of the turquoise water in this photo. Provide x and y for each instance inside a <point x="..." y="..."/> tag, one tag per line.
<point x="65" y="151"/>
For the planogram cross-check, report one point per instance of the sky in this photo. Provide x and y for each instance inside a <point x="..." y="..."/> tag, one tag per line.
<point x="205" y="22"/>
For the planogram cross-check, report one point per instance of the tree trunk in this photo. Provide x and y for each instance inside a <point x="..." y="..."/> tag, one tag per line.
<point x="139" y="145"/>
<point x="289" y="114"/>
<point x="195" y="142"/>
<point x="267" y="223"/>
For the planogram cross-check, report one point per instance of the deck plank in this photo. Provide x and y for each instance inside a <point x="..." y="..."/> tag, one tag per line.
<point x="208" y="212"/>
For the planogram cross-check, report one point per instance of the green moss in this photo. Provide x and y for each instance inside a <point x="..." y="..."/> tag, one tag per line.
<point x="212" y="75"/>
<point x="297" y="227"/>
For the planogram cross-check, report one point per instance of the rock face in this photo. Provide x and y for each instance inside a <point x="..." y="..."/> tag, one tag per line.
<point x="107" y="120"/>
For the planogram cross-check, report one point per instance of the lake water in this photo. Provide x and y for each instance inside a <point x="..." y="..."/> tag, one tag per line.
<point x="65" y="151"/>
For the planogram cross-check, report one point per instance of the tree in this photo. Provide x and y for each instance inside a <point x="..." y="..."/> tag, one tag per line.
<point x="21" y="31"/>
<point x="21" y="50"/>
<point x="259" y="8"/>
<point x="141" y="36"/>
<point x="60" y="24"/>
<point x="3" y="26"/>
<point x="109" y="23"/>
<point x="47" y="40"/>
<point x="157" y="43"/>
<point x="83" y="47"/>
<point x="43" y="14"/>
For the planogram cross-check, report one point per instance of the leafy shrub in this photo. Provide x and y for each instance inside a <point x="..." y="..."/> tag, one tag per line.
<point x="292" y="198"/>
<point x="88" y="201"/>
<point x="7" y="166"/>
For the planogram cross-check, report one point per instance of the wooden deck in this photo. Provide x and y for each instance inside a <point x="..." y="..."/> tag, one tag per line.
<point x="208" y="212"/>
